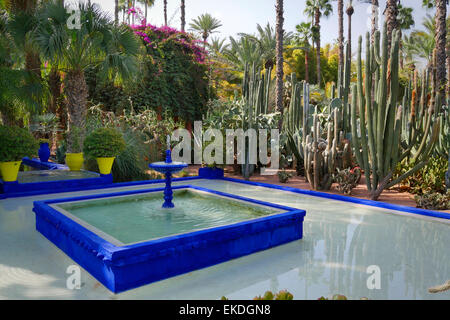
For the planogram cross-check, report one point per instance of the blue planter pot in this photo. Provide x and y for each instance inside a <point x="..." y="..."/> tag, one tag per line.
<point x="44" y="152"/>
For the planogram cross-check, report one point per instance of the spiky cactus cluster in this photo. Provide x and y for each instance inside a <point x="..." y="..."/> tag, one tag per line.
<point x="323" y="156"/>
<point x="379" y="145"/>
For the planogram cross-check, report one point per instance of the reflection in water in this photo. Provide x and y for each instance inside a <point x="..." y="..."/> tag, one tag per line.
<point x="341" y="240"/>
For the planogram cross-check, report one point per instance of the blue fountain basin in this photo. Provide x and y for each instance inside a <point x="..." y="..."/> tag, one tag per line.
<point x="164" y="167"/>
<point x="125" y="242"/>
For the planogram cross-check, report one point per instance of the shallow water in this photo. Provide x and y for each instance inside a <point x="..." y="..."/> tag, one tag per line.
<point x="138" y="218"/>
<point x="53" y="175"/>
<point x="341" y="241"/>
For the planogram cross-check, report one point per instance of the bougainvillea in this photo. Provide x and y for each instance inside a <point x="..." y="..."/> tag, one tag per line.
<point x="155" y="37"/>
<point x="176" y="75"/>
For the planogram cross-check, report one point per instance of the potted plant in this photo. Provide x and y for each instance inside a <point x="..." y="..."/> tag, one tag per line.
<point x="16" y="143"/>
<point x="44" y="127"/>
<point x="44" y="150"/>
<point x="104" y="144"/>
<point x="74" y="154"/>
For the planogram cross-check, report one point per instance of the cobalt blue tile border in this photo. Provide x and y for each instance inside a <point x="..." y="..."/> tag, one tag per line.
<point x="36" y="163"/>
<point x="121" y="268"/>
<point x="86" y="187"/>
<point x="16" y="189"/>
<point x="372" y="203"/>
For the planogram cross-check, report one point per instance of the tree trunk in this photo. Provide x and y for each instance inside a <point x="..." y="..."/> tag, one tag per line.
<point x="116" y="12"/>
<point x="375" y="13"/>
<point x="319" y="70"/>
<point x="77" y="93"/>
<point x="183" y="15"/>
<point x="280" y="60"/>
<point x="54" y="84"/>
<point x="440" y="40"/>
<point x="391" y="19"/>
<point x="146" y="12"/>
<point x="341" y="37"/>
<point x="307" y="66"/>
<point x="33" y="62"/>
<point x="165" y="12"/>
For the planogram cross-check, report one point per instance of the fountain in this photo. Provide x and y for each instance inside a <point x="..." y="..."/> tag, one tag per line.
<point x="168" y="167"/>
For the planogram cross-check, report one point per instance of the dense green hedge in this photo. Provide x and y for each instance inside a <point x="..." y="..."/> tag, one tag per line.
<point x="16" y="143"/>
<point x="103" y="143"/>
<point x="173" y="79"/>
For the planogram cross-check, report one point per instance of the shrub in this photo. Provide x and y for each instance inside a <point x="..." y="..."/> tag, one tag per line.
<point x="347" y="179"/>
<point x="433" y="201"/>
<point x="430" y="178"/>
<point x="282" y="295"/>
<point x="104" y="143"/>
<point x="284" y="176"/>
<point x="16" y="143"/>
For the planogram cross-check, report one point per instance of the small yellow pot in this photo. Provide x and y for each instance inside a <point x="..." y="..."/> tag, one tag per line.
<point x="105" y="165"/>
<point x="74" y="161"/>
<point x="10" y="170"/>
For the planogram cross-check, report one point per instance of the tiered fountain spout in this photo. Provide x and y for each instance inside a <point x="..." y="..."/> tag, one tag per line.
<point x="168" y="167"/>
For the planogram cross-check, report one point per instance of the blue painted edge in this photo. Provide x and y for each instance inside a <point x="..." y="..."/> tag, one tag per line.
<point x="109" y="263"/>
<point x="372" y="203"/>
<point x="36" y="163"/>
<point x="11" y="189"/>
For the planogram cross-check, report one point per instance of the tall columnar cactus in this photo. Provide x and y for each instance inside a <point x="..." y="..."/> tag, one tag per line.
<point x="379" y="146"/>
<point x="256" y="89"/>
<point x="323" y="156"/>
<point x="256" y="96"/>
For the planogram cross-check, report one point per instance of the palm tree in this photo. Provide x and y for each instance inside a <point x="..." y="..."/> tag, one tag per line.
<point x="316" y="9"/>
<point x="22" y="23"/>
<point x="147" y="4"/>
<point x="340" y="7"/>
<point x="97" y="43"/>
<point x="304" y="33"/>
<point x="280" y="61"/>
<point x="242" y="52"/>
<point x="116" y="12"/>
<point x="405" y="22"/>
<point x="267" y="42"/>
<point x="391" y="14"/>
<point x="165" y="12"/>
<point x="420" y="43"/>
<point x="18" y="88"/>
<point x="205" y="25"/>
<point x="218" y="46"/>
<point x="183" y="15"/>
<point x="441" y="41"/>
<point x="374" y="28"/>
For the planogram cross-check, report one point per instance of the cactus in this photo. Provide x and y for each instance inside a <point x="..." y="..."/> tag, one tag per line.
<point x="379" y="146"/>
<point x="256" y="96"/>
<point x="322" y="157"/>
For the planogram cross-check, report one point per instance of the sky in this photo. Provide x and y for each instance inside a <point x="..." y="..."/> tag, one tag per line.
<point x="243" y="15"/>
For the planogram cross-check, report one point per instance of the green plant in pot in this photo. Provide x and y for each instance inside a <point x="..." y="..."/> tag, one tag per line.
<point x="74" y="154"/>
<point x="104" y="144"/>
<point x="16" y="143"/>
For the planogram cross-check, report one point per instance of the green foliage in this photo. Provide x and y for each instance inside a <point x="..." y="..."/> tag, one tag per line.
<point x="282" y="295"/>
<point x="16" y="143"/>
<point x="347" y="179"/>
<point x="174" y="74"/>
<point x="428" y="179"/>
<point x="284" y="176"/>
<point x="433" y="201"/>
<point x="104" y="143"/>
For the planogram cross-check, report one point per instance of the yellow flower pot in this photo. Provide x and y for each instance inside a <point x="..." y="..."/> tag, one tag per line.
<point x="105" y="165"/>
<point x="10" y="170"/>
<point x="74" y="161"/>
